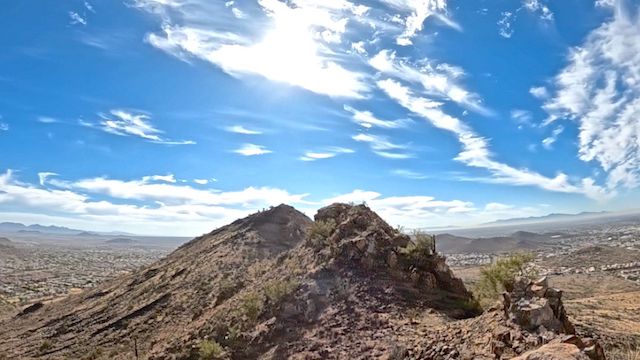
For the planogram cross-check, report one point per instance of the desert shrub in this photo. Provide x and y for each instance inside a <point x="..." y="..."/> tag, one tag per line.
<point x="251" y="307"/>
<point x="277" y="290"/>
<point x="319" y="232"/>
<point x="502" y="272"/>
<point x="629" y="351"/>
<point x="228" y="287"/>
<point x="210" y="350"/>
<point x="45" y="346"/>
<point x="421" y="248"/>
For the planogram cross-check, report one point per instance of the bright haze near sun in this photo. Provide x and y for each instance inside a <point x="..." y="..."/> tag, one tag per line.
<point x="177" y="116"/>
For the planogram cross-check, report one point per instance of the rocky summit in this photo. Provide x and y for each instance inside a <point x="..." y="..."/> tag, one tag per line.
<point x="276" y="285"/>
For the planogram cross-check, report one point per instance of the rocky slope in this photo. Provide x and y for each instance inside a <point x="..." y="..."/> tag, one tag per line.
<point x="275" y="285"/>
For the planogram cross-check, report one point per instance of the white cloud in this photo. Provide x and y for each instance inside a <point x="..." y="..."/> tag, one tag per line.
<point x="4" y="126"/>
<point x="417" y="11"/>
<point x="550" y="140"/>
<point x="522" y="117"/>
<point x="126" y="123"/>
<point x="89" y="7"/>
<point x="239" y="129"/>
<point x="367" y="119"/>
<point x="252" y="150"/>
<point x="414" y="211"/>
<point x="359" y="47"/>
<point x="76" y="18"/>
<point x="169" y="178"/>
<point x="201" y="181"/>
<point x="475" y="149"/>
<point x="409" y="174"/>
<point x="44" y="175"/>
<point x="239" y="14"/>
<point x="539" y="92"/>
<point x="536" y="8"/>
<point x="438" y="80"/>
<point x="605" y="3"/>
<point x="293" y="49"/>
<point x="494" y="206"/>
<point x="505" y="28"/>
<point x="381" y="146"/>
<point x="328" y="153"/>
<point x="168" y="208"/>
<point x="600" y="90"/>
<point x="47" y="120"/>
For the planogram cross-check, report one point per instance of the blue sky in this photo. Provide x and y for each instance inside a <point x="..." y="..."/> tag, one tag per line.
<point x="177" y="116"/>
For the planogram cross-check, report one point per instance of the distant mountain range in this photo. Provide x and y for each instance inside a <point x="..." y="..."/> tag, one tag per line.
<point x="550" y="217"/>
<point x="51" y="229"/>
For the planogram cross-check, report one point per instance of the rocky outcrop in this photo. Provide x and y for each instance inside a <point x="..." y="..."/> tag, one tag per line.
<point x="538" y="310"/>
<point x="534" y="305"/>
<point x="361" y="237"/>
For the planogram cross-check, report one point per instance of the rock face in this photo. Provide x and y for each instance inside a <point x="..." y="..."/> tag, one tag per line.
<point x="533" y="305"/>
<point x="361" y="237"/>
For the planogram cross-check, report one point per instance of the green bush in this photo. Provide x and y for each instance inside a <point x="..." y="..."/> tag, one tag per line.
<point x="210" y="350"/>
<point x="421" y="248"/>
<point x="277" y="290"/>
<point x="319" y="232"/>
<point x="251" y="307"/>
<point x="502" y="272"/>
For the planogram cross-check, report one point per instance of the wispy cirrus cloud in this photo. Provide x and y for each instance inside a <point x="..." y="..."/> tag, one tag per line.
<point x="438" y="80"/>
<point x="249" y="149"/>
<point x="551" y="139"/>
<point x="76" y="19"/>
<point x="599" y="90"/>
<point x="475" y="149"/>
<point x="409" y="174"/>
<point x="127" y="123"/>
<point x="367" y="120"/>
<point x="382" y="146"/>
<point x="327" y="153"/>
<point x="414" y="14"/>
<point x="537" y="8"/>
<point x="292" y="51"/>
<point x="47" y="120"/>
<point x="239" y="129"/>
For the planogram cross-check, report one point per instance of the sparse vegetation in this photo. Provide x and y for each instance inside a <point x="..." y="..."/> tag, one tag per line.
<point x="228" y="287"/>
<point x="210" y="350"/>
<point x="421" y="248"/>
<point x="494" y="277"/>
<point x="45" y="346"/>
<point x="319" y="232"/>
<point x="251" y="307"/>
<point x="277" y="290"/>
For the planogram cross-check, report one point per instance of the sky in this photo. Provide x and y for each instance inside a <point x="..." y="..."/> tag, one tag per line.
<point x="174" y="117"/>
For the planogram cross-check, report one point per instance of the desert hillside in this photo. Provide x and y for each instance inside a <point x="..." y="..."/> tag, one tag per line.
<point x="277" y="285"/>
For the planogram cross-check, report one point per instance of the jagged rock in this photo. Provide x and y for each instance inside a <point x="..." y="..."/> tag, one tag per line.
<point x="532" y="304"/>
